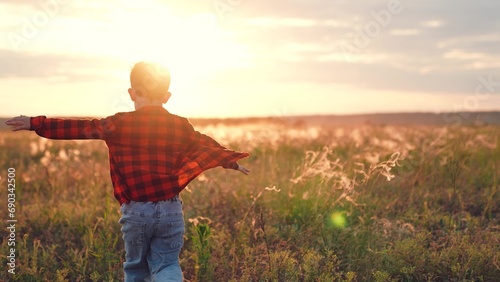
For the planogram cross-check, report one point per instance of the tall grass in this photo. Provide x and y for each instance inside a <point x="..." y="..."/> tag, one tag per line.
<point x="368" y="203"/>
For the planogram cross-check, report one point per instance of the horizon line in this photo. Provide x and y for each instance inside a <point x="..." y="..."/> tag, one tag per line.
<point x="306" y="114"/>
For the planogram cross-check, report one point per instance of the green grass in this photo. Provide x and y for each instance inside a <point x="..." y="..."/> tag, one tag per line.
<point x="437" y="219"/>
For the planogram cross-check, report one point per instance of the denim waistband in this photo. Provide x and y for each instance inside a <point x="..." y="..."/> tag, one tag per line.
<point x="175" y="198"/>
<point x="167" y="207"/>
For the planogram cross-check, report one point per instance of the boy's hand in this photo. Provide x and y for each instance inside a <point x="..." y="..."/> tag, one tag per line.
<point x="236" y="166"/>
<point x="243" y="169"/>
<point x="19" y="123"/>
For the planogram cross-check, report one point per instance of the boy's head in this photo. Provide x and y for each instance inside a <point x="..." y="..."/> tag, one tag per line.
<point x="150" y="81"/>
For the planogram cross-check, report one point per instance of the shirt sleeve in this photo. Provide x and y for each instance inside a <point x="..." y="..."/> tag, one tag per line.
<point x="231" y="165"/>
<point x="197" y="138"/>
<point x="66" y="129"/>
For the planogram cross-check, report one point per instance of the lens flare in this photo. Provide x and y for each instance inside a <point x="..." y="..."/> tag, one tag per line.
<point x="338" y="220"/>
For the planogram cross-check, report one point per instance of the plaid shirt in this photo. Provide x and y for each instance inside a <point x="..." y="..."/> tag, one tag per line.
<point x="153" y="154"/>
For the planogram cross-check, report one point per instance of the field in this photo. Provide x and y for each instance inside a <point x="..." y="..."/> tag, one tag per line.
<point x="350" y="203"/>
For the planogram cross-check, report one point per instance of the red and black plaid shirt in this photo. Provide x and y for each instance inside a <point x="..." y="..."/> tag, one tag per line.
<point x="153" y="154"/>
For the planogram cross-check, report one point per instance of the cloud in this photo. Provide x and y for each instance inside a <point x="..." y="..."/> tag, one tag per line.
<point x="374" y="76"/>
<point x="405" y="32"/>
<point x="432" y="46"/>
<point x="54" y="66"/>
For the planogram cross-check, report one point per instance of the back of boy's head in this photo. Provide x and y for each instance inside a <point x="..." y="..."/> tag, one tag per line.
<point x="150" y="80"/>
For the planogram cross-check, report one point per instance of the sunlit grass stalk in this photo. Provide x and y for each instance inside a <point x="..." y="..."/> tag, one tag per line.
<point x="454" y="169"/>
<point x="263" y="228"/>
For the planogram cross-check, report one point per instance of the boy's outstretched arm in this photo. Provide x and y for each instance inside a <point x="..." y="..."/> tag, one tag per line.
<point x="65" y="129"/>
<point x="197" y="138"/>
<point x="19" y="123"/>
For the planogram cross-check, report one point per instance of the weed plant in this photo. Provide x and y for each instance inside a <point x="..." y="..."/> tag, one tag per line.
<point x="366" y="203"/>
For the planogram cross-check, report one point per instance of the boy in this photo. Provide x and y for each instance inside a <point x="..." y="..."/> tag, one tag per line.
<point x="153" y="155"/>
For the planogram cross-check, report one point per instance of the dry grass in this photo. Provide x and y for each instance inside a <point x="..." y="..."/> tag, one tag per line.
<point x="364" y="203"/>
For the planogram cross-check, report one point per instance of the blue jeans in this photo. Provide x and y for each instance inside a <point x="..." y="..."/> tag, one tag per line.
<point x="153" y="236"/>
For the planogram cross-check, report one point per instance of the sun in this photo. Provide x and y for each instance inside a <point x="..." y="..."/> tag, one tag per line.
<point x="191" y="47"/>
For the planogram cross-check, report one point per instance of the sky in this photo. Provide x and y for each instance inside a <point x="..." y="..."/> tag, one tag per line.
<point x="239" y="58"/>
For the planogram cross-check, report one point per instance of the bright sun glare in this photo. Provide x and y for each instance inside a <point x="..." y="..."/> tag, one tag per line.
<point x="191" y="47"/>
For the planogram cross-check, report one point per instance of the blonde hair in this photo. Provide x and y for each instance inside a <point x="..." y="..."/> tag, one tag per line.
<point x="150" y="80"/>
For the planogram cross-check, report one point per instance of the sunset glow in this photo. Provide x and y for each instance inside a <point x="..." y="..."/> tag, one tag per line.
<point x="250" y="59"/>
